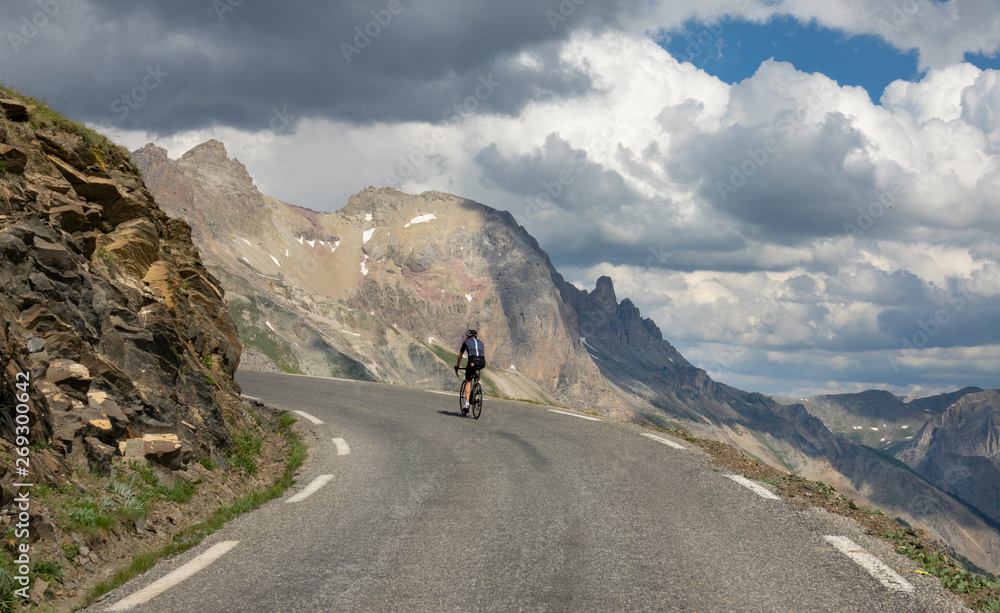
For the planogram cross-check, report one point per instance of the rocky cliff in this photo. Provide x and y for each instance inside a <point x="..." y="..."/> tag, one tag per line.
<point x="106" y="310"/>
<point x="959" y="451"/>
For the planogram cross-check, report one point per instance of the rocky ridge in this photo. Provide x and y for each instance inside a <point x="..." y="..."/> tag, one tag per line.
<point x="959" y="451"/>
<point x="105" y="305"/>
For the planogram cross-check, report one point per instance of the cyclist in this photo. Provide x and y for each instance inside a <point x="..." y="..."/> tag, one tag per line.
<point x="473" y="347"/>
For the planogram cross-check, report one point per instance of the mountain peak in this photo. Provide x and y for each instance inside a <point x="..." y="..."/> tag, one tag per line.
<point x="208" y="149"/>
<point x="604" y="294"/>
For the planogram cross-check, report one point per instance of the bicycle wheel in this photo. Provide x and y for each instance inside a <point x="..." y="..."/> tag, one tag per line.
<point x="461" y="398"/>
<point x="477" y="400"/>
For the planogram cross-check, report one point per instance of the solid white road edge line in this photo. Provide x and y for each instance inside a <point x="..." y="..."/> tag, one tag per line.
<point x="575" y="415"/>
<point x="342" y="448"/>
<point x="758" y="489"/>
<point x="664" y="441"/>
<point x="249" y="397"/>
<point x="311" y="489"/>
<point x="875" y="567"/>
<point x="174" y="577"/>
<point x="309" y="417"/>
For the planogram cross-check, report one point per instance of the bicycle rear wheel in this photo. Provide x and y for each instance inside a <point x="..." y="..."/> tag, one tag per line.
<point x="477" y="400"/>
<point x="461" y="398"/>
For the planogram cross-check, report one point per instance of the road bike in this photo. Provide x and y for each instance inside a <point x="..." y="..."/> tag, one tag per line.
<point x="475" y="398"/>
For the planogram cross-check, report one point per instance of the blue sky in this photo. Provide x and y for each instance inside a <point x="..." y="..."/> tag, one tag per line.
<point x="732" y="50"/>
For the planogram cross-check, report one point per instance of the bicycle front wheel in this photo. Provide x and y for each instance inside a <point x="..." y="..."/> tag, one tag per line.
<point x="461" y="397"/>
<point x="477" y="401"/>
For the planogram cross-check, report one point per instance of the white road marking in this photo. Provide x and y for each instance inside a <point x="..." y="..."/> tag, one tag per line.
<point x="758" y="489"/>
<point x="249" y="397"/>
<point x="314" y="420"/>
<point x="311" y="489"/>
<point x="875" y="567"/>
<point x="174" y="577"/>
<point x="575" y="415"/>
<point x="342" y="448"/>
<point x="442" y="392"/>
<point x="664" y="441"/>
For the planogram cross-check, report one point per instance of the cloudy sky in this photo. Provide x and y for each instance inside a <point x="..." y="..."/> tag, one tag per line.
<point x="803" y="194"/>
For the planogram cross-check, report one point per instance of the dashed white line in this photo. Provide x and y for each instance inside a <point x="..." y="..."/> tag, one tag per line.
<point x="875" y="567"/>
<point x="756" y="488"/>
<point x="342" y="448"/>
<point x="575" y="415"/>
<point x="314" y="420"/>
<point x="174" y="577"/>
<point x="311" y="489"/>
<point x="664" y="441"/>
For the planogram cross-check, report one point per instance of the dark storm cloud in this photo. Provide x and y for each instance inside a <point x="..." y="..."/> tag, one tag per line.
<point x="783" y="185"/>
<point x="235" y="62"/>
<point x="587" y="214"/>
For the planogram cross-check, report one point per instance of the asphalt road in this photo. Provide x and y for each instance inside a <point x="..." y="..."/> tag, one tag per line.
<point x="524" y="509"/>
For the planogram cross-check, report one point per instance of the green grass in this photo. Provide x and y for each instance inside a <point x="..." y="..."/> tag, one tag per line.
<point x="182" y="491"/>
<point x="71" y="550"/>
<point x="983" y="592"/>
<point x="246" y="448"/>
<point x="42" y="116"/>
<point x="195" y="534"/>
<point x="285" y="420"/>
<point x="49" y="571"/>
<point x="9" y="601"/>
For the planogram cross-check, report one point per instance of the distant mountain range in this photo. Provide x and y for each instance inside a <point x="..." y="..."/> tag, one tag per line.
<point x="383" y="289"/>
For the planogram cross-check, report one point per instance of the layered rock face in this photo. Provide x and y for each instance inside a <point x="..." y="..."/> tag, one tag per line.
<point x="106" y="307"/>
<point x="959" y="451"/>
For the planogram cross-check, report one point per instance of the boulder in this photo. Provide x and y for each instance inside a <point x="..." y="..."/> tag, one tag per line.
<point x="14" y="110"/>
<point x="69" y="373"/>
<point x="102" y="191"/>
<point x="136" y="243"/>
<point x="71" y="217"/>
<point x="52" y="254"/>
<point x="99" y="455"/>
<point x="14" y="159"/>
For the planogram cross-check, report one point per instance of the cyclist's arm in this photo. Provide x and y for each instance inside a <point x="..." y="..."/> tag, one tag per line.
<point x="458" y="364"/>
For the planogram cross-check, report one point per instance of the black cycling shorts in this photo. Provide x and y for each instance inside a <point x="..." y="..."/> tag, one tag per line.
<point x="476" y="363"/>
